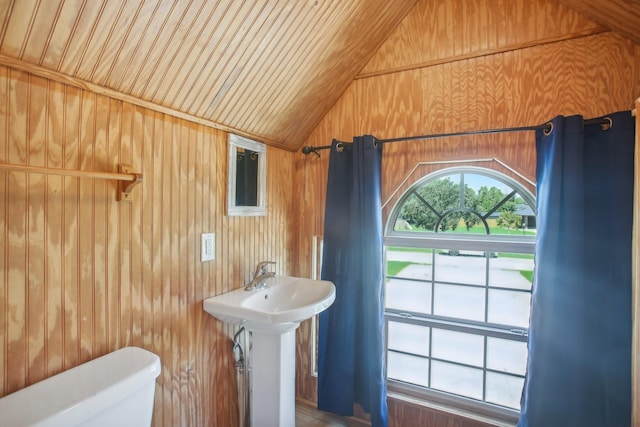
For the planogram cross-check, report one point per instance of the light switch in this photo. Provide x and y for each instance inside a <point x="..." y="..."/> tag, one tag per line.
<point x="208" y="251"/>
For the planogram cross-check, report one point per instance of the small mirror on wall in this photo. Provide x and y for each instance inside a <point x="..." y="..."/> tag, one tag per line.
<point x="247" y="177"/>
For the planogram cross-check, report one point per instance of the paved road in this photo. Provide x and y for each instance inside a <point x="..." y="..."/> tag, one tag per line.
<point x="504" y="306"/>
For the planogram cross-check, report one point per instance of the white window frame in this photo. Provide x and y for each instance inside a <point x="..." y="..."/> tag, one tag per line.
<point x="471" y="408"/>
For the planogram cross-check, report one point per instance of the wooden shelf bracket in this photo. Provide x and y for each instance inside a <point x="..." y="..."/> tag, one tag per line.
<point x="125" y="187"/>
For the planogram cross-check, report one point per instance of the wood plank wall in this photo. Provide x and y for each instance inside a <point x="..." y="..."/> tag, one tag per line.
<point x="82" y="275"/>
<point x="569" y="66"/>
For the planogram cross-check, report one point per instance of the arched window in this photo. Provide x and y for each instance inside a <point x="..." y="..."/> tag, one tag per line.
<point x="459" y="256"/>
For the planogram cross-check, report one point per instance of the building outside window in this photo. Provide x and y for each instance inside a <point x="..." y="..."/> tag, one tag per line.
<point x="459" y="259"/>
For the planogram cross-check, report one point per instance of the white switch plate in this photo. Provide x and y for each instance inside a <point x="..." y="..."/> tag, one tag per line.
<point x="208" y="251"/>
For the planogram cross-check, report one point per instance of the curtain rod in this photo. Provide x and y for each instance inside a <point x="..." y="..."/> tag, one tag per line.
<point x="605" y="122"/>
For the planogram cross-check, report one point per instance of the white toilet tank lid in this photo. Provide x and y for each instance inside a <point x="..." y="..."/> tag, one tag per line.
<point x="82" y="391"/>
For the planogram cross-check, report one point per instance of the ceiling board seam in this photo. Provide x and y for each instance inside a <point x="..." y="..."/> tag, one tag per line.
<point x="88" y="41"/>
<point x="242" y="62"/>
<point x="488" y="52"/>
<point x="206" y="88"/>
<point x="293" y="64"/>
<point x="298" y="58"/>
<point x="72" y="33"/>
<point x="286" y="101"/>
<point x="203" y="109"/>
<point x="151" y="48"/>
<point x="25" y="42"/>
<point x="268" y="78"/>
<point x="51" y="31"/>
<point x="188" y="54"/>
<point x="202" y="50"/>
<point x="122" y="44"/>
<point x="167" y="44"/>
<point x="175" y="54"/>
<point x="37" y="70"/>
<point x="208" y="60"/>
<point x="137" y="48"/>
<point x="5" y="24"/>
<point x="106" y="42"/>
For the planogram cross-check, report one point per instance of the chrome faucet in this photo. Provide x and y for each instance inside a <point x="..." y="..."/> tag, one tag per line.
<point x="260" y="276"/>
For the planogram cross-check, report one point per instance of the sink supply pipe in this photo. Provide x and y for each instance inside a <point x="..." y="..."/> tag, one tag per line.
<point x="242" y="379"/>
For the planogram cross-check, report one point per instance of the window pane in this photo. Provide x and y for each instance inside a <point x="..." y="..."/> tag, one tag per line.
<point x="456" y="379"/>
<point x="466" y="267"/>
<point x="399" y="258"/>
<point x="408" y="295"/>
<point x="407" y="368"/>
<point x="414" y="263"/>
<point x="506" y="355"/>
<point x="509" y="308"/>
<point x="511" y="270"/>
<point x="424" y="209"/>
<point x="463" y="302"/>
<point x="458" y="347"/>
<point x="408" y="338"/>
<point x="504" y="390"/>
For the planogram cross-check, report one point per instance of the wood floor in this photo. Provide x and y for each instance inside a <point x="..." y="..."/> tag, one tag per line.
<point x="308" y="416"/>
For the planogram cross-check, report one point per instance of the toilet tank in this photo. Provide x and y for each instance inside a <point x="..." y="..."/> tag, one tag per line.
<point x="113" y="390"/>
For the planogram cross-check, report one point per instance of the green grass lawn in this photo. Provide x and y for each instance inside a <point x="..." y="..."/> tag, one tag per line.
<point x="512" y="255"/>
<point x="478" y="229"/>
<point x="395" y="267"/>
<point x="527" y="274"/>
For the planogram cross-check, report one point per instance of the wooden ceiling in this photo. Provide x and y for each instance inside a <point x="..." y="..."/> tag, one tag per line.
<point x="621" y="16"/>
<point x="266" y="69"/>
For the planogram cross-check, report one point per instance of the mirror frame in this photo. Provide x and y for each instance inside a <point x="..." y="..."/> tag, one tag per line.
<point x="236" y="142"/>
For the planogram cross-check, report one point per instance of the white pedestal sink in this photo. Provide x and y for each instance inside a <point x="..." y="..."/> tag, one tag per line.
<point x="272" y="315"/>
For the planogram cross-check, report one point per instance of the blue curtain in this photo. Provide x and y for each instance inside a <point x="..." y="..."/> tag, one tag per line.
<point x="351" y="367"/>
<point x="579" y="366"/>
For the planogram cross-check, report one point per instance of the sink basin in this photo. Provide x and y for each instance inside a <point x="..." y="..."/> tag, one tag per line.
<point x="284" y="300"/>
<point x="272" y="315"/>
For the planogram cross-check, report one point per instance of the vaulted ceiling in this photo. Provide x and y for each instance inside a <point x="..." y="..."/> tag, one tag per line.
<point x="621" y="16"/>
<point x="266" y="69"/>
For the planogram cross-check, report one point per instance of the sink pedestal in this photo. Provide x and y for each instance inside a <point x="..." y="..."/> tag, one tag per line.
<point x="272" y="315"/>
<point x="273" y="378"/>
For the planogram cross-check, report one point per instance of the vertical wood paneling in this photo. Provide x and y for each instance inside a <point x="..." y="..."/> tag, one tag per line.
<point x="432" y="32"/>
<point x="70" y="235"/>
<point x="82" y="274"/>
<point x="35" y="256"/>
<point x="16" y="246"/>
<point x="53" y="239"/>
<point x="524" y="86"/>
<point x="86" y="228"/>
<point x="4" y="230"/>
